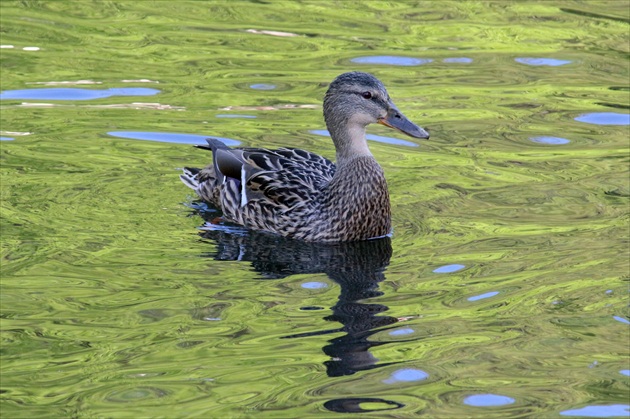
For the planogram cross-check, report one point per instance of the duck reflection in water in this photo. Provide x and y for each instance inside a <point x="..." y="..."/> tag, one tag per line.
<point x="358" y="268"/>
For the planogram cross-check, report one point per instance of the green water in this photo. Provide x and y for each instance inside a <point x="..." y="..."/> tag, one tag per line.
<point x="115" y="304"/>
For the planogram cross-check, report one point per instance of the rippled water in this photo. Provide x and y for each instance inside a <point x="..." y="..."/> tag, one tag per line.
<point x="502" y="293"/>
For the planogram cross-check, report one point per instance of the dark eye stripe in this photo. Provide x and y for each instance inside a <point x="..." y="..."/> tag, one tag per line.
<point x="375" y="98"/>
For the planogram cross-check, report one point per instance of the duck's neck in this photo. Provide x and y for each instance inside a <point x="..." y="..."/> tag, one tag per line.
<point x="350" y="142"/>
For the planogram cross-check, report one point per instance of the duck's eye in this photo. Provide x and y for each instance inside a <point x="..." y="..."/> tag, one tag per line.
<point x="367" y="95"/>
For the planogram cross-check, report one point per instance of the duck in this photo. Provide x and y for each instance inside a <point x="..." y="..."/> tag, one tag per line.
<point x="299" y="194"/>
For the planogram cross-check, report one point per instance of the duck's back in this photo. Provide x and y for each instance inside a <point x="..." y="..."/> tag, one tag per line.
<point x="279" y="189"/>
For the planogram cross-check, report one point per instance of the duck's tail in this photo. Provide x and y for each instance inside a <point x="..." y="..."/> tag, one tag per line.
<point x="213" y="144"/>
<point x="190" y="177"/>
<point x="206" y="182"/>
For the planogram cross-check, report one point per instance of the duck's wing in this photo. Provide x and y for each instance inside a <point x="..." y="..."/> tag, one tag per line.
<point x="287" y="176"/>
<point x="283" y="177"/>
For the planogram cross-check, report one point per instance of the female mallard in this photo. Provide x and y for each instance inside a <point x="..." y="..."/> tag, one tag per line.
<point x="299" y="194"/>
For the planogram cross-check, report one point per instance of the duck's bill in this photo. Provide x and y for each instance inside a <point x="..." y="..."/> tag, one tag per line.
<point x="395" y="119"/>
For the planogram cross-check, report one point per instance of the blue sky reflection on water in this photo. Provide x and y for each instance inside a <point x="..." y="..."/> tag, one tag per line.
<point x="314" y="285"/>
<point x="604" y="118"/>
<point x="550" y="140"/>
<point x="449" y="268"/>
<point x="488" y="400"/>
<point x="401" y="332"/>
<point x="235" y="116"/>
<point x="406" y="375"/>
<point x="551" y="62"/>
<point x="458" y="60"/>
<point x="71" y="93"/>
<point x="621" y="319"/>
<point x="483" y="296"/>
<point x="391" y="60"/>
<point x="602" y="411"/>
<point x="262" y="86"/>
<point x="372" y="137"/>
<point x="170" y="137"/>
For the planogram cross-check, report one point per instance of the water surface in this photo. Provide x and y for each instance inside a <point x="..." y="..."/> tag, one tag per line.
<point x="502" y="292"/>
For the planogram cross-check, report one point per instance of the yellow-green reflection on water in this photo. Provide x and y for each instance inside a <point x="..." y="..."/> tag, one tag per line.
<point x="113" y="305"/>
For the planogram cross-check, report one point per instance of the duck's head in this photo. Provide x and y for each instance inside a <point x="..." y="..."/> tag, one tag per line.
<point x="355" y="100"/>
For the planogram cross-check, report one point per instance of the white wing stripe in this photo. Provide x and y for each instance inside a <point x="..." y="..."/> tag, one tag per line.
<point x="243" y="185"/>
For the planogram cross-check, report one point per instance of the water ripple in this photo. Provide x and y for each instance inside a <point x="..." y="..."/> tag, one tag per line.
<point x="115" y="306"/>
<point x="135" y="394"/>
<point x="353" y="405"/>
